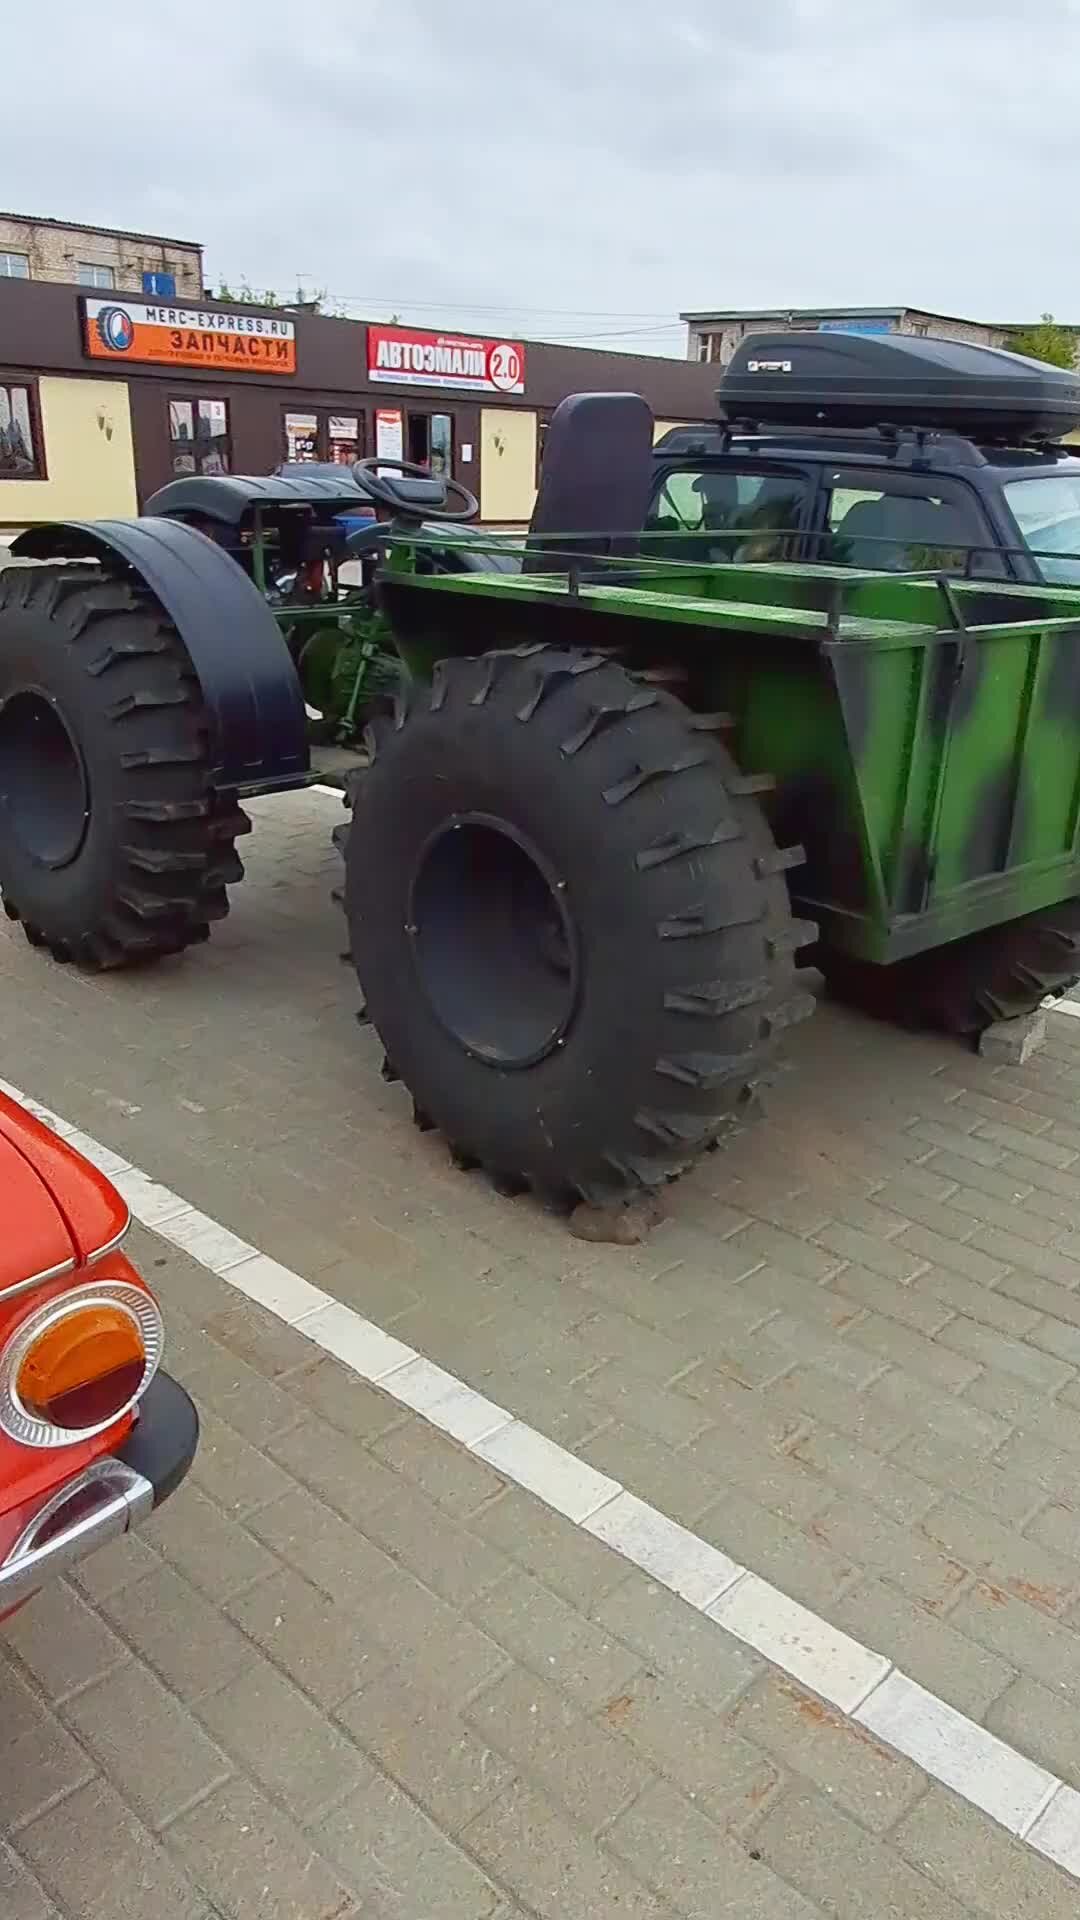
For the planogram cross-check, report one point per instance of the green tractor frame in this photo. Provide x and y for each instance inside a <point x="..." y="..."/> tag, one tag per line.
<point x="604" y="807"/>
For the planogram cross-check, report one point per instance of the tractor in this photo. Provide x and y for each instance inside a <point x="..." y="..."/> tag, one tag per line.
<point x="608" y="790"/>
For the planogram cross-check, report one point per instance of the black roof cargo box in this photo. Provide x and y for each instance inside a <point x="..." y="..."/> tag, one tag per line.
<point x="905" y="380"/>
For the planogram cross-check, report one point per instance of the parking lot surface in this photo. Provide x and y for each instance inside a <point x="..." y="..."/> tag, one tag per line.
<point x="352" y="1669"/>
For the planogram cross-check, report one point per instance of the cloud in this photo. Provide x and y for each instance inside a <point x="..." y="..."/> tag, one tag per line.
<point x="576" y="168"/>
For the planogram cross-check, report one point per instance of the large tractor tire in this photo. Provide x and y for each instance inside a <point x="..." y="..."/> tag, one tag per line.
<point x="1000" y="973"/>
<point x="114" y="846"/>
<point x="570" y="921"/>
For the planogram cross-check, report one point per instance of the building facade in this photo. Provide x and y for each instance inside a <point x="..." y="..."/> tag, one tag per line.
<point x="101" y="257"/>
<point x="713" y="337"/>
<point x="104" y="398"/>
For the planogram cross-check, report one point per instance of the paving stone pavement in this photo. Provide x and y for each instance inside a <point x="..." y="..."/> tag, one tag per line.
<point x="348" y="1671"/>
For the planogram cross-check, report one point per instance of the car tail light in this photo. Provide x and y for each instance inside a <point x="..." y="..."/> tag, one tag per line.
<point x="79" y="1363"/>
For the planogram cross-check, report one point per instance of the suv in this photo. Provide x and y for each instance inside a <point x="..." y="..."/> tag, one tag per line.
<point x="894" y="454"/>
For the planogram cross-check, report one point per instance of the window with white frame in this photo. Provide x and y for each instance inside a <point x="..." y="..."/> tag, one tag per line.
<point x="91" y="275"/>
<point x="14" y="266"/>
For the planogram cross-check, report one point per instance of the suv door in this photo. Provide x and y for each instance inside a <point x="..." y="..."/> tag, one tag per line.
<point x="720" y="509"/>
<point x="875" y="519"/>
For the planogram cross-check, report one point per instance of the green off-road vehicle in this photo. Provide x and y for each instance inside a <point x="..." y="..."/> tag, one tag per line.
<point x="801" y="686"/>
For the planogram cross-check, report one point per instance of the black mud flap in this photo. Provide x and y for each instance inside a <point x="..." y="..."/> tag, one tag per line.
<point x="248" y="681"/>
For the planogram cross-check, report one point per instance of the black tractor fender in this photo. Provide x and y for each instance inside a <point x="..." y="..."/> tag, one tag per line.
<point x="248" y="681"/>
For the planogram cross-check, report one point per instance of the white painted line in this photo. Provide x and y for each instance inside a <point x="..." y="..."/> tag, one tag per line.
<point x="277" y="1288"/>
<point x="150" y="1202"/>
<point x="1030" y="1803"/>
<point x="542" y="1467"/>
<point x="103" y="1158"/>
<point x="840" y="1669"/>
<point x="63" y="1127"/>
<point x="963" y="1756"/>
<point x="448" y="1403"/>
<point x="358" y="1342"/>
<point x="677" y="1558"/>
<point x="1065" y="1006"/>
<point x="215" y="1247"/>
<point x="1056" y="1833"/>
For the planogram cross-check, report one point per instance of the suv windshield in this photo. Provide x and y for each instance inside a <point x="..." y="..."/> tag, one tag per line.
<point x="1047" y="512"/>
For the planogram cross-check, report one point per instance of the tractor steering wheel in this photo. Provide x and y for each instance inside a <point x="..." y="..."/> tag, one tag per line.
<point x="418" y="493"/>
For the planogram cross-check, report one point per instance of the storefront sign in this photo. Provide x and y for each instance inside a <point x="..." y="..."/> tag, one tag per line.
<point x="856" y="326"/>
<point x="188" y="336"/>
<point x="407" y="357"/>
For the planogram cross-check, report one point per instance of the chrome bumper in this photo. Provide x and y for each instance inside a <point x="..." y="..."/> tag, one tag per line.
<point x="109" y="1497"/>
<point x="105" y="1500"/>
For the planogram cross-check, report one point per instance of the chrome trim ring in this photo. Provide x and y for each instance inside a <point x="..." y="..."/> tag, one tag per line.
<point x="37" y="1279"/>
<point x="16" y="1420"/>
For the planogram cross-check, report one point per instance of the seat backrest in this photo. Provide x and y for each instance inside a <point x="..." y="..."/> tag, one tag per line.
<point x="901" y="531"/>
<point x="596" y="477"/>
<point x="869" y="528"/>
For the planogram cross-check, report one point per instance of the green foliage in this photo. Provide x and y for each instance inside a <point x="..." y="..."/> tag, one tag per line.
<point x="246" y="296"/>
<point x="1048" y="341"/>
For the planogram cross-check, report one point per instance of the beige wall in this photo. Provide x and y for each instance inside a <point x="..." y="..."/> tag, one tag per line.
<point x="89" y="458"/>
<point x="507" y="464"/>
<point x="54" y="253"/>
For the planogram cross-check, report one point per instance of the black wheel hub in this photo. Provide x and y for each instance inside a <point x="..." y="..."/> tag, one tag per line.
<point x="44" y="796"/>
<point x="495" y="947"/>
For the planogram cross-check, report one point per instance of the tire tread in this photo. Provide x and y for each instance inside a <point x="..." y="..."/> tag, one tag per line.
<point x="171" y="851"/>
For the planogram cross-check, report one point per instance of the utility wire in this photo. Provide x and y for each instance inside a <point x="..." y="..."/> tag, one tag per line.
<point x="650" y="314"/>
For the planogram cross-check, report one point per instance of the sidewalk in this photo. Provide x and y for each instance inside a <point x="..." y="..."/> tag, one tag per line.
<point x="349" y="1670"/>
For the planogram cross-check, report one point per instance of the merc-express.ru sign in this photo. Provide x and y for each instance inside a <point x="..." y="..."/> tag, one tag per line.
<point x="178" y="336"/>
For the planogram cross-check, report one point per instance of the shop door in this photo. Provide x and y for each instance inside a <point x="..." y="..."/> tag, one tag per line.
<point x="508" y="441"/>
<point x="429" y="441"/>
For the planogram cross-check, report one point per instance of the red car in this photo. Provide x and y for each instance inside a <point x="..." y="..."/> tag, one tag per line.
<point x="93" y="1435"/>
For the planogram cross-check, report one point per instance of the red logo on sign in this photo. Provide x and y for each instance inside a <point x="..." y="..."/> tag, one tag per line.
<point x="504" y="367"/>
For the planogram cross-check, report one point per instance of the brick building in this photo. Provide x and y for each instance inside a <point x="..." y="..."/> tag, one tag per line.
<point x="101" y="257"/>
<point x="713" y="337"/>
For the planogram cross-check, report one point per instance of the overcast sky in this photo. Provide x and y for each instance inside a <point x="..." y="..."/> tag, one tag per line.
<point x="580" y="169"/>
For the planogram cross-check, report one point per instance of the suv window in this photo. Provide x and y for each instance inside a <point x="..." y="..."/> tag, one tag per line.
<point x="1047" y="510"/>
<point x="897" y="527"/>
<point x="749" y="516"/>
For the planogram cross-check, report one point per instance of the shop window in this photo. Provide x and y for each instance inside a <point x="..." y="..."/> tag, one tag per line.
<point x="90" y="275"/>
<point x="344" y="438"/>
<point x="14" y="266"/>
<point x="327" y="438"/>
<point x="301" y="436"/>
<point x="199" y="436"/>
<point x="21" y="455"/>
